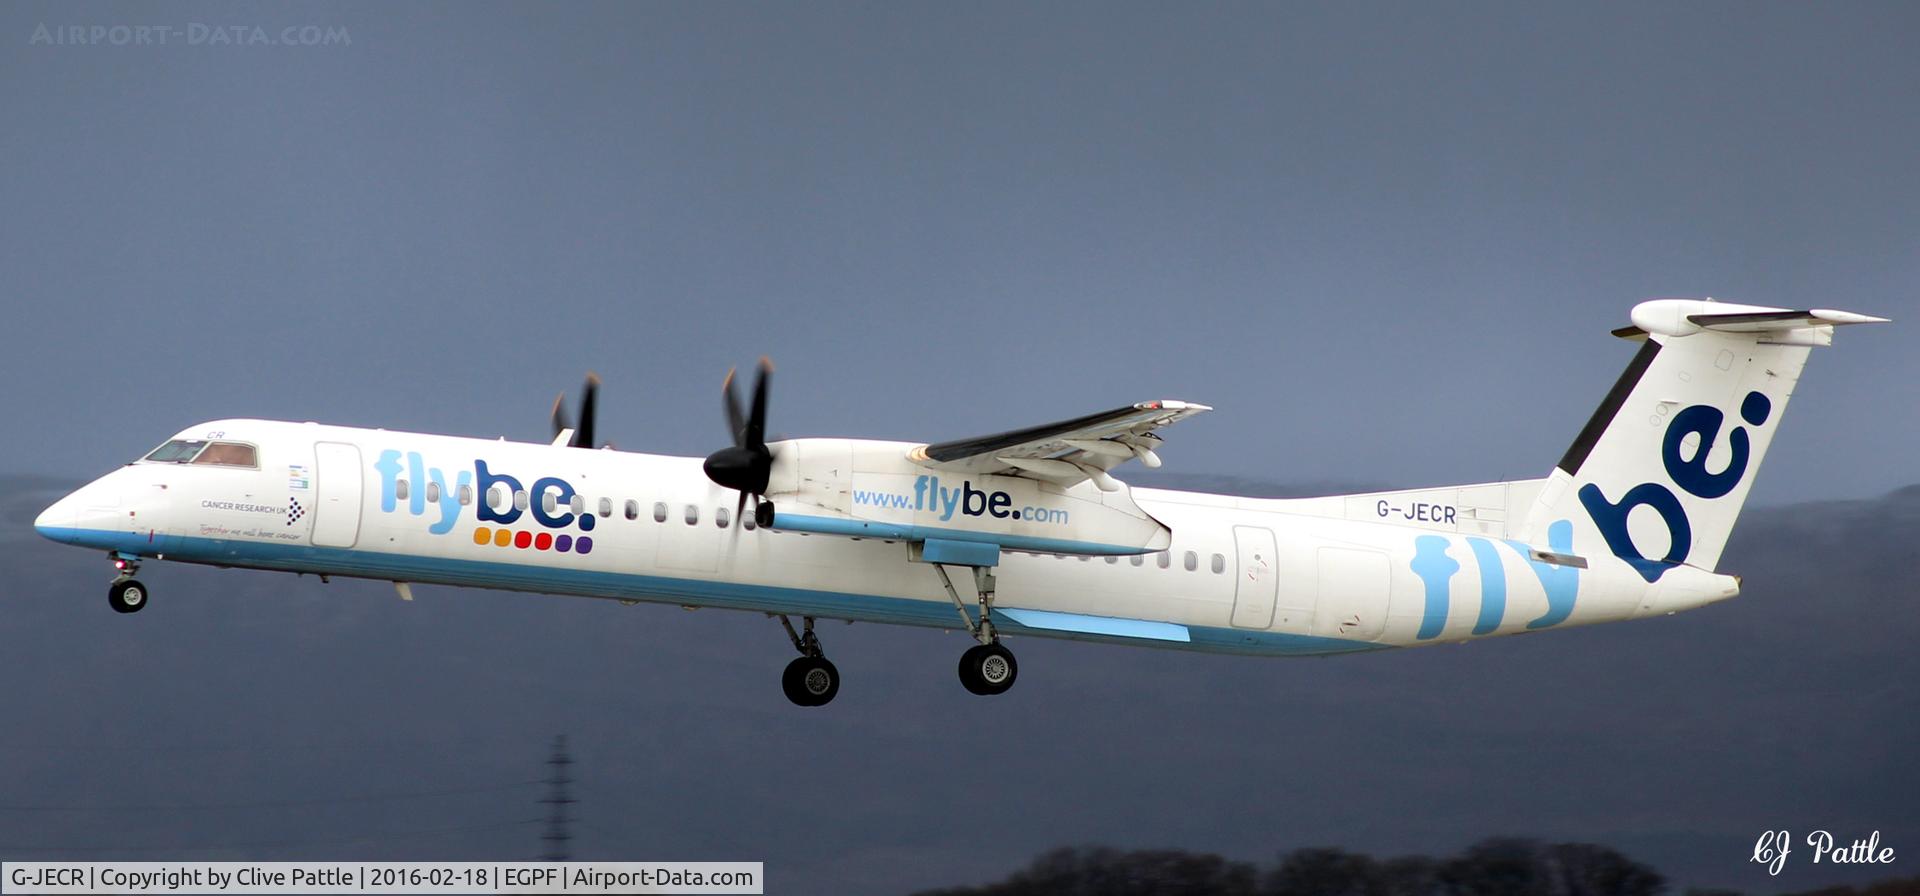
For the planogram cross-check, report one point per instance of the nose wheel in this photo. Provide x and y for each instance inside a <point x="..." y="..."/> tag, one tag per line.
<point x="810" y="680"/>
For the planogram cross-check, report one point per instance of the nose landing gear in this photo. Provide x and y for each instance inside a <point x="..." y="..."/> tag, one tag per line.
<point x="126" y="594"/>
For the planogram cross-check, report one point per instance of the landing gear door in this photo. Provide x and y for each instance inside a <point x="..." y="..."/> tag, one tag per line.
<point x="337" y="497"/>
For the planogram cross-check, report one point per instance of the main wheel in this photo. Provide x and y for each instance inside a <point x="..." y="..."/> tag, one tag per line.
<point x="127" y="596"/>
<point x="810" y="681"/>
<point x="988" y="669"/>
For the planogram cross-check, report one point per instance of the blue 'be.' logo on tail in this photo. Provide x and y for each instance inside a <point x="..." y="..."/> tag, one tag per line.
<point x="1691" y="474"/>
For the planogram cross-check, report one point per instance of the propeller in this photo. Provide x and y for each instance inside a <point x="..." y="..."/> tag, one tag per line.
<point x="582" y="434"/>
<point x="747" y="464"/>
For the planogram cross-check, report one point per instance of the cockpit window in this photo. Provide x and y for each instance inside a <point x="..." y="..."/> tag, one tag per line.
<point x="228" y="454"/>
<point x="178" y="451"/>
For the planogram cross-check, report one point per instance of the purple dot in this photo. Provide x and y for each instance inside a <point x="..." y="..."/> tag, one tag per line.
<point x="563" y="543"/>
<point x="583" y="545"/>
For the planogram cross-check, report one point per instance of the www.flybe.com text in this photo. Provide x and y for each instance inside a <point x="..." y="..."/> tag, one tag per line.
<point x="930" y="496"/>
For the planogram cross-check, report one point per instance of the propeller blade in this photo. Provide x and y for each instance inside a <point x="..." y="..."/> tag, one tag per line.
<point x="736" y="422"/>
<point x="756" y="433"/>
<point x="739" y="507"/>
<point x="583" y="436"/>
<point x="560" y="422"/>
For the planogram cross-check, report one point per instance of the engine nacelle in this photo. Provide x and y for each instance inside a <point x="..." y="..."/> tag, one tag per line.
<point x="869" y="489"/>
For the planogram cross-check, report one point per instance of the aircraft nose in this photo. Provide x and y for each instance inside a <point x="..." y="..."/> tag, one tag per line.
<point x="59" y="521"/>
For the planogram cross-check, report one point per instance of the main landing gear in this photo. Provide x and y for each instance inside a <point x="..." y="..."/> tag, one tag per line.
<point x="810" y="680"/>
<point x="126" y="594"/>
<point x="987" y="668"/>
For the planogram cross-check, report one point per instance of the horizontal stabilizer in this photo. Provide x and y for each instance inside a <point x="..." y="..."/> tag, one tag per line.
<point x="1684" y="317"/>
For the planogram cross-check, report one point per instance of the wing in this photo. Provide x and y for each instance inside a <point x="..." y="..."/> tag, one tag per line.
<point x="1066" y="452"/>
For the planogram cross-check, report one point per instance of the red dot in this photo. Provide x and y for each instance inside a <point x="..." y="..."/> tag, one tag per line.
<point x="543" y="541"/>
<point x="522" y="539"/>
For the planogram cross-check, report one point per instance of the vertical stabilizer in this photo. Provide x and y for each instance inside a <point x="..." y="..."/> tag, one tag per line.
<point x="1658" y="475"/>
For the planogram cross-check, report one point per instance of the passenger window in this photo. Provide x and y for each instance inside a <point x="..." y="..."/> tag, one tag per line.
<point x="466" y="495"/>
<point x="747" y="523"/>
<point x="1165" y="559"/>
<point x="720" y="517"/>
<point x="178" y="451"/>
<point x="520" y="499"/>
<point x="633" y="509"/>
<point x="400" y="489"/>
<point x="1111" y="560"/>
<point x="693" y="515"/>
<point x="548" y="502"/>
<point x="659" y="511"/>
<point x="606" y="508"/>
<point x="1137" y="559"/>
<point x="433" y="493"/>
<point x="1219" y="564"/>
<point x="227" y="454"/>
<point x="497" y="498"/>
<point x="1193" y="561"/>
<point x="576" y="503"/>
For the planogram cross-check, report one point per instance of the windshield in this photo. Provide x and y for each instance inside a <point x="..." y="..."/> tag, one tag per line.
<point x="178" y="451"/>
<point x="195" y="451"/>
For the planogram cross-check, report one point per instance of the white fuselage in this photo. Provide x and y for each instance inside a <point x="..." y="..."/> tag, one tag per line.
<point x="1241" y="575"/>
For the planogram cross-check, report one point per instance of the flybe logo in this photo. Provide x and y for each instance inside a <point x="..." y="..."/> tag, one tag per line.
<point x="518" y="502"/>
<point x="930" y="496"/>
<point x="1689" y="473"/>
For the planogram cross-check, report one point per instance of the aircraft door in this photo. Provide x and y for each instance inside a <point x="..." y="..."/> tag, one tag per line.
<point x="337" y="497"/>
<point x="1256" y="582"/>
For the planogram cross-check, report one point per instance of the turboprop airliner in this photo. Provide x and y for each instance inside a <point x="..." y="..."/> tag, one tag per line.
<point x="1025" y="533"/>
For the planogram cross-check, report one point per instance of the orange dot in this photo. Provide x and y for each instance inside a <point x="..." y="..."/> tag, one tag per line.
<point x="482" y="536"/>
<point x="502" y="537"/>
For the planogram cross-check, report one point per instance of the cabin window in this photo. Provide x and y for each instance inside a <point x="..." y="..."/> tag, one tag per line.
<point x="433" y="493"/>
<point x="1193" y="561"/>
<point x="178" y="451"/>
<point x="520" y="499"/>
<point x="497" y="498"/>
<point x="576" y="503"/>
<point x="1164" y="558"/>
<point x="1137" y="559"/>
<point x="606" y="508"/>
<point x="466" y="495"/>
<point x="693" y="515"/>
<point x="400" y="489"/>
<point x="747" y="523"/>
<point x="1111" y="560"/>
<point x="1219" y="564"/>
<point x="228" y="454"/>
<point x="659" y="511"/>
<point x="633" y="509"/>
<point x="720" y="517"/>
<point x="548" y="502"/>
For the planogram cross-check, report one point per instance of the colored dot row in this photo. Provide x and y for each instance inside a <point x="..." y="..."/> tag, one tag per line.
<point x="542" y="542"/>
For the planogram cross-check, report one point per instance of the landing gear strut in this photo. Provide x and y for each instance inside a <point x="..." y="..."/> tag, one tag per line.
<point x="126" y="594"/>
<point x="987" y="668"/>
<point x="810" y="680"/>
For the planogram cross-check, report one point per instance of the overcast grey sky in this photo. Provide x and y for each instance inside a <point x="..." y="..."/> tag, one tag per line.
<point x="1387" y="241"/>
<point x="1347" y="226"/>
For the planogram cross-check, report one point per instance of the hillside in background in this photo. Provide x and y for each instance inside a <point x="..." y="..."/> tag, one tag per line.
<point x="247" y="715"/>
